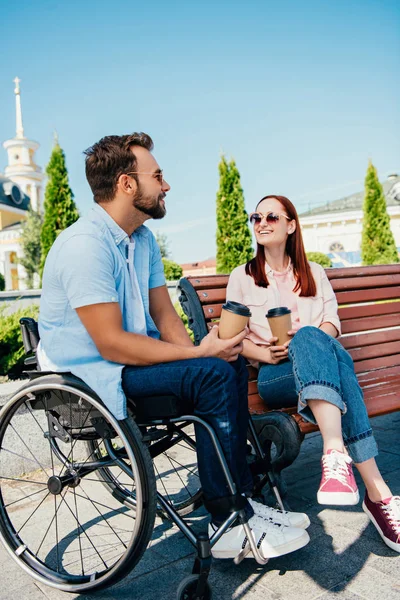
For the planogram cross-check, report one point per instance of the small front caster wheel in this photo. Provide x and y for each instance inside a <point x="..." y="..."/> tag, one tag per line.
<point x="187" y="589"/>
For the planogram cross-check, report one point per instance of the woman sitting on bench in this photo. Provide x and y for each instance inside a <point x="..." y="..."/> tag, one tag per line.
<point x="312" y="368"/>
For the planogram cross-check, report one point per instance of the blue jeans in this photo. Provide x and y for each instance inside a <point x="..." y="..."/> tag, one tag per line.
<point x="319" y="368"/>
<point x="217" y="392"/>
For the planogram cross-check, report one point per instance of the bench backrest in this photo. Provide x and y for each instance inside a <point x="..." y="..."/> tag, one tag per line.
<point x="369" y="310"/>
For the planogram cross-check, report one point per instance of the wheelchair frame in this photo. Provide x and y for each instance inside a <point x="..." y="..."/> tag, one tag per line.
<point x="194" y="588"/>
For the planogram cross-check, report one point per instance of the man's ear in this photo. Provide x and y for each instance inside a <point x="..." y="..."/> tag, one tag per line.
<point x="127" y="184"/>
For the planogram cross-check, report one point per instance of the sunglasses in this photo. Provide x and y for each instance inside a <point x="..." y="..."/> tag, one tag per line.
<point x="272" y="217"/>
<point x="157" y="175"/>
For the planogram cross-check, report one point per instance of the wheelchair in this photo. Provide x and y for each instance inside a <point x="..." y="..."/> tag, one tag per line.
<point x="90" y="486"/>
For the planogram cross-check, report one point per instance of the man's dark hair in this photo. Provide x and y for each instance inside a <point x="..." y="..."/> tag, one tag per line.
<point x="109" y="158"/>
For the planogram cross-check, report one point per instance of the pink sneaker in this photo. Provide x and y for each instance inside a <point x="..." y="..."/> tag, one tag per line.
<point x="385" y="516"/>
<point x="338" y="486"/>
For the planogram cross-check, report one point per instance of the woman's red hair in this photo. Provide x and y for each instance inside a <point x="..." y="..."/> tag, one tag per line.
<point x="295" y="249"/>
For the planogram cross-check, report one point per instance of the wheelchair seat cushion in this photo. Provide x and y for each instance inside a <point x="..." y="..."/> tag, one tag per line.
<point x="160" y="407"/>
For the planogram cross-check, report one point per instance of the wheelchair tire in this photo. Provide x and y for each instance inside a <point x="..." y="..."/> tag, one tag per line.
<point x="55" y="520"/>
<point x="187" y="589"/>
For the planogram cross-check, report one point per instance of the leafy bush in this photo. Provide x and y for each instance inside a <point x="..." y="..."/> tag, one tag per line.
<point x="2" y="283"/>
<point x="11" y="346"/>
<point x="320" y="258"/>
<point x="184" y="319"/>
<point x="172" y="270"/>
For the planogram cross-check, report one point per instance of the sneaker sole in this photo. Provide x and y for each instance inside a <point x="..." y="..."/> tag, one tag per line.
<point x="272" y="552"/>
<point x="338" y="498"/>
<point x="392" y="545"/>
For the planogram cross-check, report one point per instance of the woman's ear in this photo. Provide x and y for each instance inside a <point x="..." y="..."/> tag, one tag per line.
<point x="292" y="227"/>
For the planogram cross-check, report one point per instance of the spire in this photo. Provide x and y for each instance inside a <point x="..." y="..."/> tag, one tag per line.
<point x="55" y="137"/>
<point x="18" y="109"/>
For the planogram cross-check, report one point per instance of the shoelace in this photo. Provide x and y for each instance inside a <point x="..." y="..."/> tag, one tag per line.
<point x="273" y="512"/>
<point x="259" y="522"/>
<point x="335" y="466"/>
<point x="393" y="512"/>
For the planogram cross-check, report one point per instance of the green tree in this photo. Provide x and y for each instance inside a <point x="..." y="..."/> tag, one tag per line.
<point x="162" y="241"/>
<point x="2" y="283"/>
<point x="377" y="243"/>
<point x="320" y="258"/>
<point x="59" y="207"/>
<point x="30" y="244"/>
<point x="172" y="270"/>
<point x="234" y="245"/>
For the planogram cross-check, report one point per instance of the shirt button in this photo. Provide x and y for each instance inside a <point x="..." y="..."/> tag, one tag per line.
<point x="113" y="299"/>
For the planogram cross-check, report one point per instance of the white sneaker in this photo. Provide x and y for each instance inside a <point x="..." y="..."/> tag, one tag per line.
<point x="271" y="539"/>
<point x="290" y="519"/>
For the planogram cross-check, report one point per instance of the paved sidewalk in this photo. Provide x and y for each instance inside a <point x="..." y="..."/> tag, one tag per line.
<point x="345" y="559"/>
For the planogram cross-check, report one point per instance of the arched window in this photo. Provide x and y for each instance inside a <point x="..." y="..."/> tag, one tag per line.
<point x="336" y="247"/>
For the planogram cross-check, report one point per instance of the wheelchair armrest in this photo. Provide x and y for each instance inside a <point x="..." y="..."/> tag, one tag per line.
<point x="30" y="334"/>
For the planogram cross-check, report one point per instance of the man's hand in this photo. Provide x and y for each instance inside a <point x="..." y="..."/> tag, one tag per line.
<point x="228" y="350"/>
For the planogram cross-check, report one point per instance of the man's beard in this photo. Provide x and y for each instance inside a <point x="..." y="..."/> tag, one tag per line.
<point x="149" y="204"/>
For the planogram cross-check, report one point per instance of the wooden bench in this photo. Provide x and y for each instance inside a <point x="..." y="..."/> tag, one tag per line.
<point x="369" y="310"/>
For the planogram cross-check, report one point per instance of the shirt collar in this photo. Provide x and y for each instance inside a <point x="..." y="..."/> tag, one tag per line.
<point x="117" y="232"/>
<point x="269" y="270"/>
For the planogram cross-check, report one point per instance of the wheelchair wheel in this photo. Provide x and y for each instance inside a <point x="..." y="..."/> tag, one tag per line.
<point x="187" y="589"/>
<point x="56" y="519"/>
<point x="173" y="450"/>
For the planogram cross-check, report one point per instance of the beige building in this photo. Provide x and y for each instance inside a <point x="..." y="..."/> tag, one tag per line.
<point x="20" y="186"/>
<point x="205" y="267"/>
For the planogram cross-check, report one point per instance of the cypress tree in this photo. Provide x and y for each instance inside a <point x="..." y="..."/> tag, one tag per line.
<point x="234" y="245"/>
<point x="30" y="245"/>
<point x="377" y="244"/>
<point x="59" y="207"/>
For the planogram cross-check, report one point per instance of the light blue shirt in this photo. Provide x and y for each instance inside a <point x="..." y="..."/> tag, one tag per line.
<point x="87" y="264"/>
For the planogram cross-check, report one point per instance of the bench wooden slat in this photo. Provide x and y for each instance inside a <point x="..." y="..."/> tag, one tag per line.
<point x="209" y="281"/>
<point x="353" y="272"/>
<point x="369" y="310"/>
<point x="375" y="377"/>
<point x="370" y="339"/>
<point x="212" y="311"/>
<point x="212" y="296"/>
<point x="370" y="323"/>
<point x="368" y="295"/>
<point x="377" y="363"/>
<point x="375" y="351"/>
<point x="358" y="283"/>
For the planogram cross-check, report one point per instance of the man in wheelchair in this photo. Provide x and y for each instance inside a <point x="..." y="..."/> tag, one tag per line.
<point x="106" y="316"/>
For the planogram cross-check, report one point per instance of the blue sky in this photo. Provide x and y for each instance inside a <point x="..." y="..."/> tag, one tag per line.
<point x="301" y="94"/>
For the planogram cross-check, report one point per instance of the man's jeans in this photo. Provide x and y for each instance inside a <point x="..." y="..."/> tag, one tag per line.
<point x="217" y="392"/>
<point x="319" y="368"/>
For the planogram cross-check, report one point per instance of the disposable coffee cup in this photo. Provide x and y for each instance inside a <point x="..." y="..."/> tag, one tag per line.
<point x="234" y="318"/>
<point x="280" y="322"/>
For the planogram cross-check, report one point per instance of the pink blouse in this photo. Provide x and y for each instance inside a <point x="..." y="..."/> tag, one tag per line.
<point x="313" y="310"/>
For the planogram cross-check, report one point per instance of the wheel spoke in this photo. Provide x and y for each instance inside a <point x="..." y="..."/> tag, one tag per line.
<point x="29" y="518"/>
<point x="24" y="498"/>
<point x="30" y="452"/>
<point x="104" y="505"/>
<point x="23" y="480"/>
<point x="88" y="538"/>
<point x="104" y="519"/>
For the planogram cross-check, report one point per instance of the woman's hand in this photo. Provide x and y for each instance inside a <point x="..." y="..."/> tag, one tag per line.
<point x="278" y="353"/>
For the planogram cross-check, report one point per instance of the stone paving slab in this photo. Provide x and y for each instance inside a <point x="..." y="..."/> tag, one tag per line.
<point x="345" y="560"/>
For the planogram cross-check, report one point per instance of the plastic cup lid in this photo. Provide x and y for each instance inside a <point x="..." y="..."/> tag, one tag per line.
<point x="237" y="308"/>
